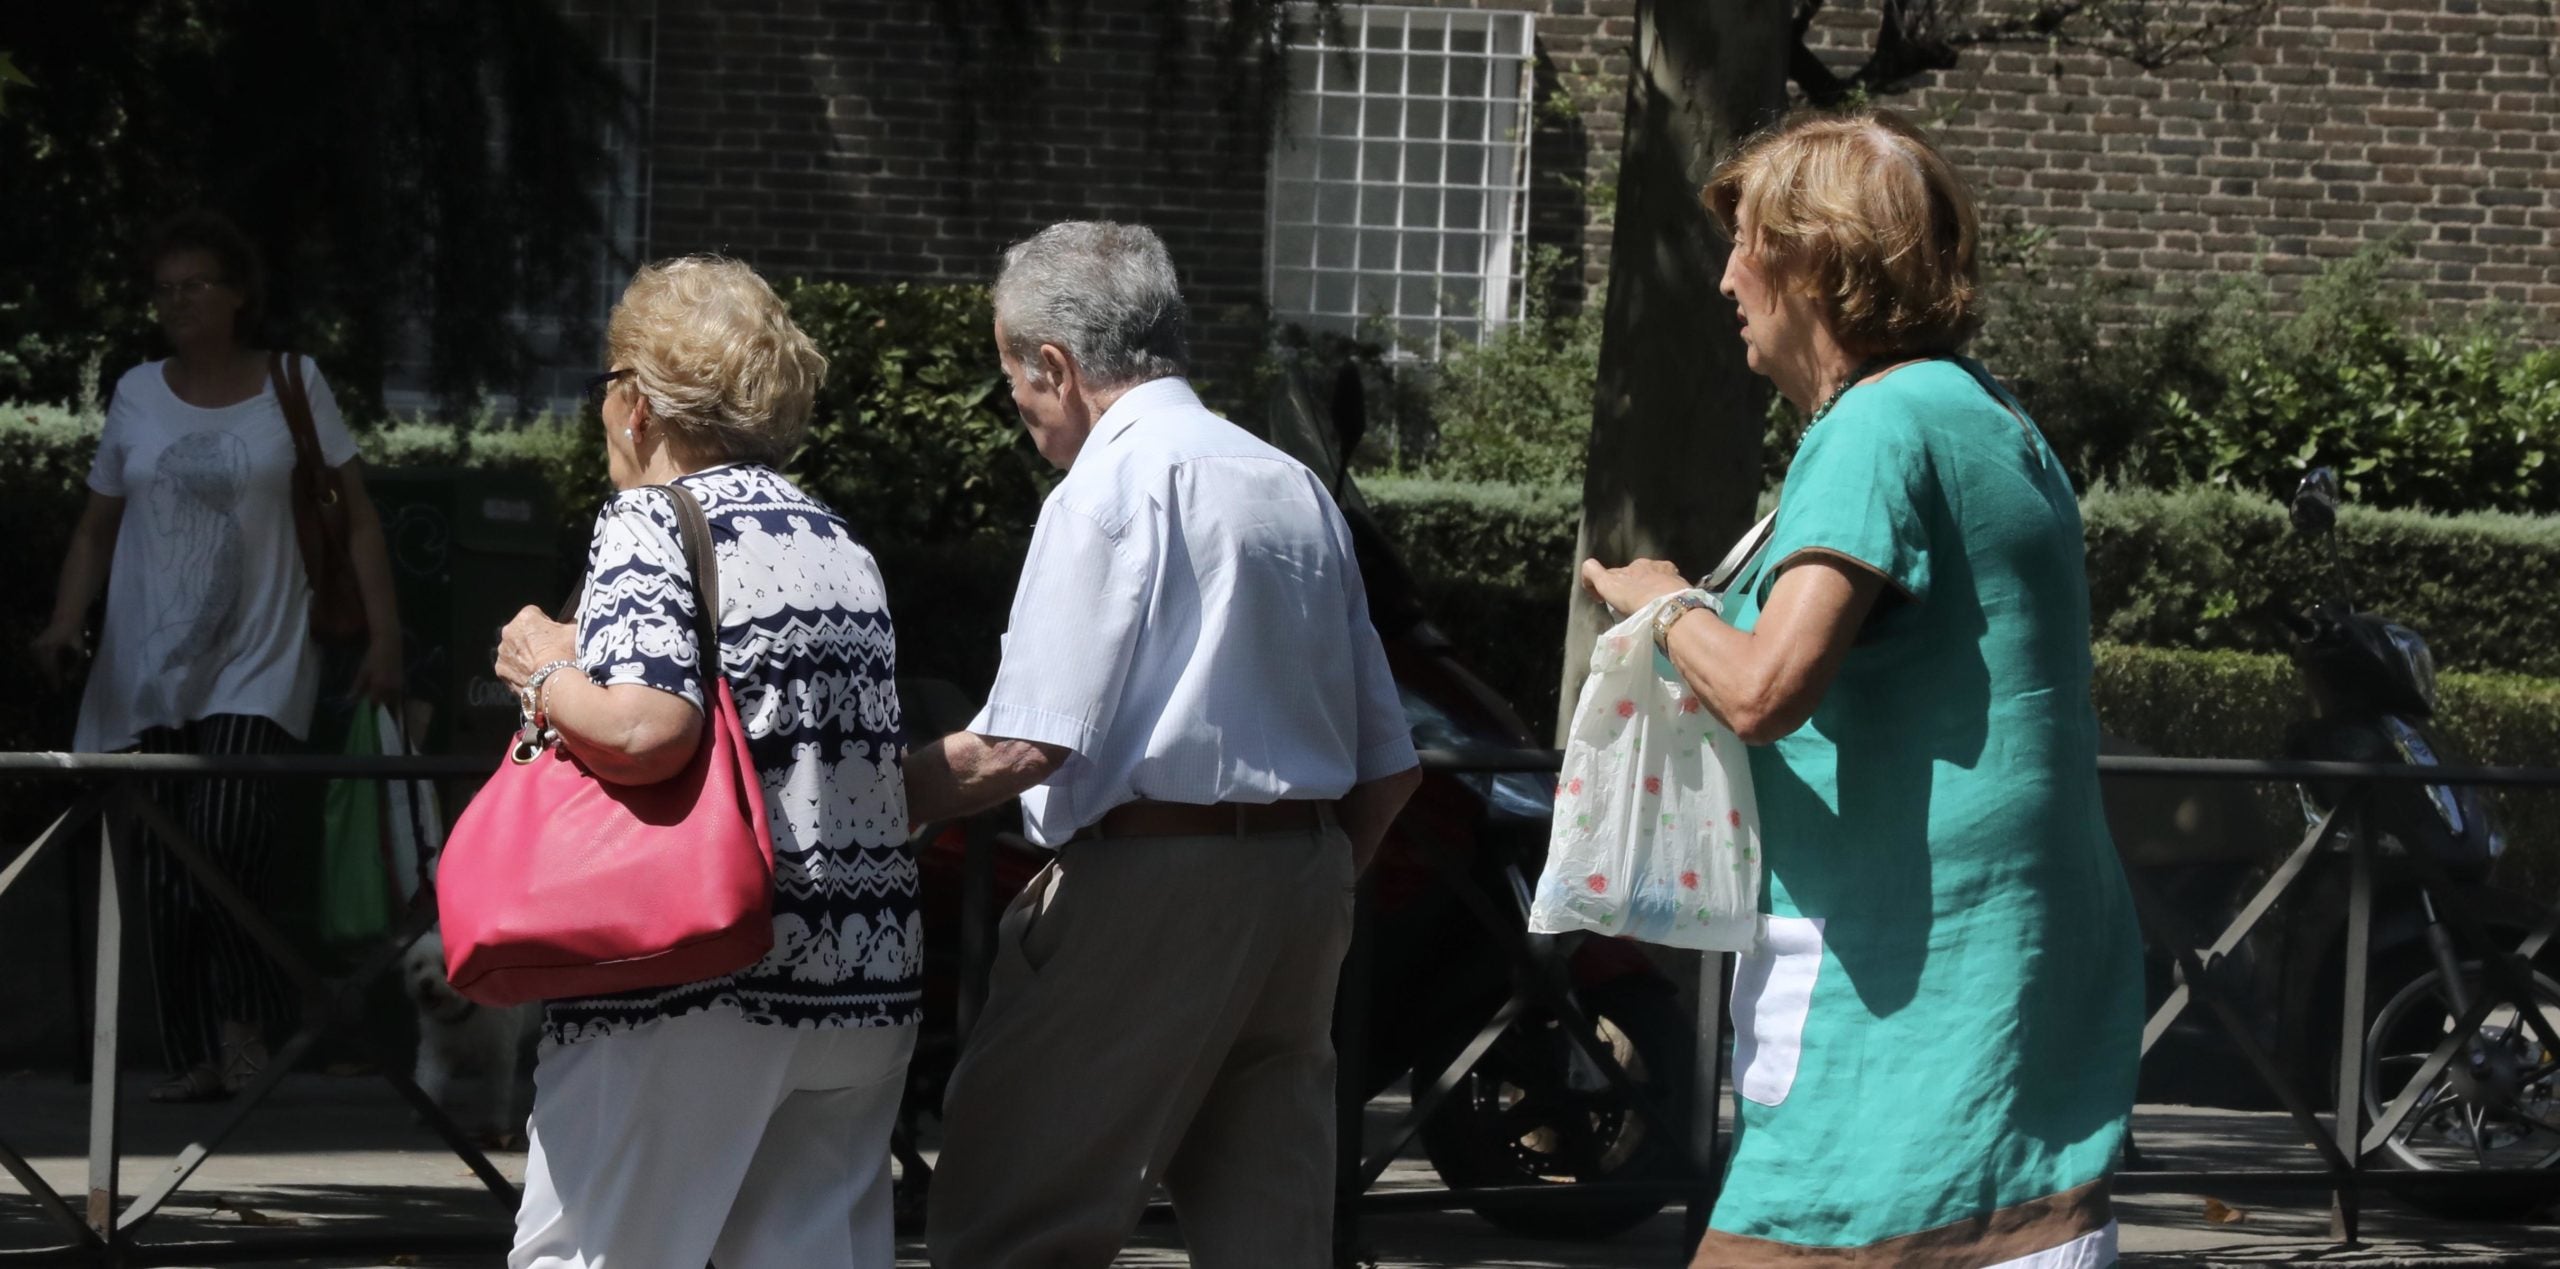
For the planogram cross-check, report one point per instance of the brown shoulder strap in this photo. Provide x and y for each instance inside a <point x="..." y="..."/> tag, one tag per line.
<point x="704" y="563"/>
<point x="285" y="370"/>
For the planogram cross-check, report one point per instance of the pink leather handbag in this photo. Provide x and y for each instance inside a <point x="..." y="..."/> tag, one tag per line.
<point x="556" y="884"/>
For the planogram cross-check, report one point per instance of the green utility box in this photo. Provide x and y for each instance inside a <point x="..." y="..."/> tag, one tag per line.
<point x="468" y="550"/>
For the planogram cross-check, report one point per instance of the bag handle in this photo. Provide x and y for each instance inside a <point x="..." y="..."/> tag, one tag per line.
<point x="693" y="532"/>
<point x="1742" y="554"/>
<point x="704" y="564"/>
<point x="285" y="369"/>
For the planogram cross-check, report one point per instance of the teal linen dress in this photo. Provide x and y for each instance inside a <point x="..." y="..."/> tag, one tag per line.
<point x="1936" y="1046"/>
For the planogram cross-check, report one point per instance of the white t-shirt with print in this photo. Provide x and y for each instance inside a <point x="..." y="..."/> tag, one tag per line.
<point x="208" y="607"/>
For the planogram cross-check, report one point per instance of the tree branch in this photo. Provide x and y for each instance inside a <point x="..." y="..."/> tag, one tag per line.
<point x="1914" y="37"/>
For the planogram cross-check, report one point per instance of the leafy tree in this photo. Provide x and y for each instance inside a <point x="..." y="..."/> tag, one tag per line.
<point x="419" y="173"/>
<point x="11" y="77"/>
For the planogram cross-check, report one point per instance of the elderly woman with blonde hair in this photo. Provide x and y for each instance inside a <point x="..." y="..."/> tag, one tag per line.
<point x="1936" y="1042"/>
<point x="745" y="1119"/>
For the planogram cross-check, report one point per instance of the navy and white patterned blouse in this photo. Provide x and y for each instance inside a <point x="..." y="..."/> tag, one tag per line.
<point x="806" y="643"/>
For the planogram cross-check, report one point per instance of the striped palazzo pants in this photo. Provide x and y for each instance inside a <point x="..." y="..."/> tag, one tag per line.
<point x="207" y="968"/>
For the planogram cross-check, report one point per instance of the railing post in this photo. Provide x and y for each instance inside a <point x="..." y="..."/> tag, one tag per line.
<point x="103" y="1143"/>
<point x="2346" y="1198"/>
<point x="1351" y="1077"/>
<point x="1706" y="1098"/>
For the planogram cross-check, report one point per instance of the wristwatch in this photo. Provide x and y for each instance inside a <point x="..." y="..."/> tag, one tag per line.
<point x="1682" y="604"/>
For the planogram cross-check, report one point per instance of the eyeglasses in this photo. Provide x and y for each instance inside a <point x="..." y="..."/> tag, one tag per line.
<point x="170" y="292"/>
<point x="598" y="385"/>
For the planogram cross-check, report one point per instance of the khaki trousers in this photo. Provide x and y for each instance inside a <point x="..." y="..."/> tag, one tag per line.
<point x="1160" y="1011"/>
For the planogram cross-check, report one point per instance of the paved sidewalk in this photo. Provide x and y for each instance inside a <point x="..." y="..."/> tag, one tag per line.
<point x="340" y="1155"/>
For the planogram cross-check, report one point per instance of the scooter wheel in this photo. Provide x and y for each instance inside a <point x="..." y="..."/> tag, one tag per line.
<point x="1525" y="1117"/>
<point x="2502" y="1113"/>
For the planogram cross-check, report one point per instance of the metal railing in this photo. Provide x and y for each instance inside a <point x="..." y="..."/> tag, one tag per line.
<point x="2344" y="1146"/>
<point x="118" y="803"/>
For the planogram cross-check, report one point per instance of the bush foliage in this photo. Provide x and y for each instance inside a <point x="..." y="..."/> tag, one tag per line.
<point x="1516" y="407"/>
<point x="915" y="436"/>
<point x="2241" y="385"/>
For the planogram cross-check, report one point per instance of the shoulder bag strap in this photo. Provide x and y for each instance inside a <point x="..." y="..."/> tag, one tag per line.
<point x="285" y="369"/>
<point x="704" y="563"/>
<point x="1742" y="554"/>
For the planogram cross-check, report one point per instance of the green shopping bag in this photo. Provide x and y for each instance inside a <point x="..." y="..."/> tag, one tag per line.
<point x="356" y="897"/>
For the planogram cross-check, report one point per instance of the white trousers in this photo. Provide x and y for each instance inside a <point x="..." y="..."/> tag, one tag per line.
<point x="709" y="1138"/>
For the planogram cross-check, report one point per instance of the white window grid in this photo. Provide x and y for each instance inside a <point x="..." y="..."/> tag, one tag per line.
<point x="1400" y="181"/>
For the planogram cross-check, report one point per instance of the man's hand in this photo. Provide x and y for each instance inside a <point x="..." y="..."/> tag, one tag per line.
<point x="965" y="773"/>
<point x="1369" y="808"/>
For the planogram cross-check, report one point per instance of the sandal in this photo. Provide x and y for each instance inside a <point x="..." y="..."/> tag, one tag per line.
<point x="241" y="1062"/>
<point x="201" y="1083"/>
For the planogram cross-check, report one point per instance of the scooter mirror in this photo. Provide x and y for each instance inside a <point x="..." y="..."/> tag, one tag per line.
<point x="1350" y="411"/>
<point x="2315" y="503"/>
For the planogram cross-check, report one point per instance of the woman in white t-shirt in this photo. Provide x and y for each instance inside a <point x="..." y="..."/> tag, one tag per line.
<point x="207" y="647"/>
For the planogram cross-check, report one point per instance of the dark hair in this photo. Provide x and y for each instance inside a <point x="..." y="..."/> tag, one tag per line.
<point x="213" y="233"/>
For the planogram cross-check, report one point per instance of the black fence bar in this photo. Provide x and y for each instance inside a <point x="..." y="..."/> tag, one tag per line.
<point x="2344" y="1184"/>
<point x="79" y="766"/>
<point x="129" y="822"/>
<point x="186" y="766"/>
<point x="2343" y="1143"/>
<point x="1474" y="761"/>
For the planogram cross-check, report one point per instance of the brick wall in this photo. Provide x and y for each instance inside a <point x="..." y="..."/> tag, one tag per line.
<point x="877" y="142"/>
<point x="885" y="141"/>
<point x="881" y="141"/>
<point x="2338" y="125"/>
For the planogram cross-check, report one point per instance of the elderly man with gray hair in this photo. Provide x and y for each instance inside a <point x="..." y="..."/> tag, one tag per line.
<point x="1199" y="719"/>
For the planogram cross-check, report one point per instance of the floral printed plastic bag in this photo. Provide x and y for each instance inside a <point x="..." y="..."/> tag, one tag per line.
<point x="1656" y="834"/>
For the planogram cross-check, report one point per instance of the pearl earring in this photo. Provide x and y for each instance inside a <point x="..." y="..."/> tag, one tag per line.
<point x="627" y="435"/>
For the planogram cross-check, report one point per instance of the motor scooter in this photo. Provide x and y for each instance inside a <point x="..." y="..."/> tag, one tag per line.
<point x="2371" y="687"/>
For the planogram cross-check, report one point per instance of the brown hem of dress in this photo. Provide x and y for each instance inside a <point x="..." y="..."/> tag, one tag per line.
<point x="2021" y="1229"/>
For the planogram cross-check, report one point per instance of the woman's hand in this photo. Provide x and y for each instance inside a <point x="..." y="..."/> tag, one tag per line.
<point x="530" y="642"/>
<point x="57" y="652"/>
<point x="378" y="679"/>
<point x="1627" y="589"/>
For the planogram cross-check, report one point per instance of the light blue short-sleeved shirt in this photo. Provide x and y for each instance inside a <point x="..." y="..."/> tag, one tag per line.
<point x="1190" y="622"/>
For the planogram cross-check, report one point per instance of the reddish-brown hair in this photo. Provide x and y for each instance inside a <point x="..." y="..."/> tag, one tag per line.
<point x="1860" y="210"/>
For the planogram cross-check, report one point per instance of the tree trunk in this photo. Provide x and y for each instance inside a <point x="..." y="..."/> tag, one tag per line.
<point x="1674" y="464"/>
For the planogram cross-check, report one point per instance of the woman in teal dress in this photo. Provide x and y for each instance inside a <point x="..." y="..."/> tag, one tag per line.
<point x="1936" y="1043"/>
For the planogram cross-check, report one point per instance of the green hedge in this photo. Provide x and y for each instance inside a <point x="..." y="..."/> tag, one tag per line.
<point x="2202" y="568"/>
<point x="2199" y="568"/>
<point x="1495" y="534"/>
<point x="44" y="468"/>
<point x="2238" y="705"/>
<point x="950" y="600"/>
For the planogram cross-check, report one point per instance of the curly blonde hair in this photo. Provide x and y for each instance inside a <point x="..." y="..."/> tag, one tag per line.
<point x="1860" y="210"/>
<point x="715" y="353"/>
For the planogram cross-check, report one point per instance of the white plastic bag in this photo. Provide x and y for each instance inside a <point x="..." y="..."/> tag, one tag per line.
<point x="413" y="817"/>
<point x="1656" y="833"/>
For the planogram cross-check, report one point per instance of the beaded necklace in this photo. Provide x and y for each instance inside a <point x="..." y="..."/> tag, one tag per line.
<point x="1865" y="368"/>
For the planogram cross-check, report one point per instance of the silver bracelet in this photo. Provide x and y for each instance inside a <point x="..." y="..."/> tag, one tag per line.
<point x="533" y="712"/>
